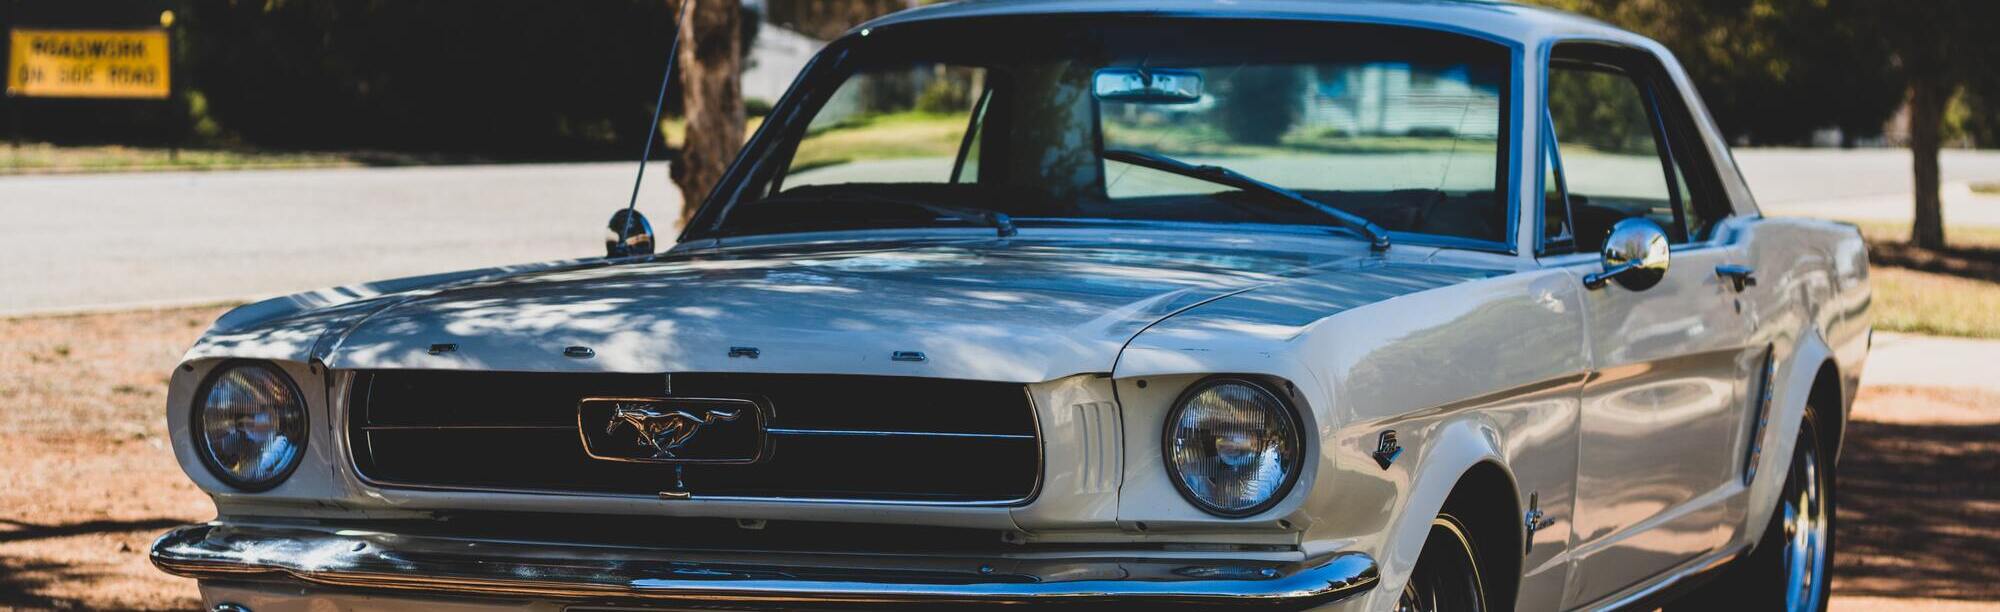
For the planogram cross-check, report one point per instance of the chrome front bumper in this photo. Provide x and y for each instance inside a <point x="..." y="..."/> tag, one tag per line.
<point x="431" y="566"/>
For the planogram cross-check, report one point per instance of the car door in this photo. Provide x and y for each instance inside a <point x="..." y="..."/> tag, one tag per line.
<point x="1661" y="410"/>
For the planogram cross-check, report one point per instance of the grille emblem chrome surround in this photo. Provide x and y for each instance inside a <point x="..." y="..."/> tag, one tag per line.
<point x="665" y="430"/>
<point x="676" y="430"/>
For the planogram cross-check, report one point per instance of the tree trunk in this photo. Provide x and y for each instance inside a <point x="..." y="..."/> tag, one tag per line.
<point x="711" y="58"/>
<point x="1927" y="103"/>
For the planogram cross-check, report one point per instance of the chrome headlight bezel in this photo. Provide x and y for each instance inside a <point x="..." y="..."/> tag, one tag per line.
<point x="198" y="435"/>
<point x="1284" y="412"/>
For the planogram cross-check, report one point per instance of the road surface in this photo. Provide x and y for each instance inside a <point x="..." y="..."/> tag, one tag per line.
<point x="1866" y="184"/>
<point x="89" y="242"/>
<point x="109" y="241"/>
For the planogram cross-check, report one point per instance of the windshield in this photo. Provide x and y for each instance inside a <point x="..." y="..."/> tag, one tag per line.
<point x="1076" y="120"/>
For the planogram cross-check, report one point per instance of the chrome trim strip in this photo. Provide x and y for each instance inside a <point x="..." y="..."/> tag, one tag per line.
<point x="1753" y="448"/>
<point x="333" y="557"/>
<point x="786" y="431"/>
<point x="463" y="427"/>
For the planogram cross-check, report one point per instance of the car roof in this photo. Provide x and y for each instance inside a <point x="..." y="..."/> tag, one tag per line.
<point x="1525" y="26"/>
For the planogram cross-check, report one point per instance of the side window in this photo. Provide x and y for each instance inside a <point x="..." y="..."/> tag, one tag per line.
<point x="966" y="169"/>
<point x="1612" y="158"/>
<point x="906" y="125"/>
<point x="1695" y="207"/>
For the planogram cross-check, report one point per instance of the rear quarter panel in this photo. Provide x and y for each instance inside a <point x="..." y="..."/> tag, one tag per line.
<point x="1811" y="306"/>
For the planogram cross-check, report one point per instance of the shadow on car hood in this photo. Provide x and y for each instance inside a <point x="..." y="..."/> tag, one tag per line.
<point x="982" y="310"/>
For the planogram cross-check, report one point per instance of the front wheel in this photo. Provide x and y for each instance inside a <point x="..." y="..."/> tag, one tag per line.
<point x="1447" y="574"/>
<point x="1802" y="529"/>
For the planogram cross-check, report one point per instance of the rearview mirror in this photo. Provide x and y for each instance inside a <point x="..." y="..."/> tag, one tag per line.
<point x="628" y="234"/>
<point x="1147" y="85"/>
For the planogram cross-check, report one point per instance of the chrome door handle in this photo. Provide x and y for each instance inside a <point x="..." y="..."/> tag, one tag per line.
<point x="1740" y="276"/>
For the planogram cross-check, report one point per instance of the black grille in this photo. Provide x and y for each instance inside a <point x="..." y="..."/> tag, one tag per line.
<point x="831" y="437"/>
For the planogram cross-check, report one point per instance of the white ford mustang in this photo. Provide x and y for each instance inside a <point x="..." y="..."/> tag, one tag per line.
<point x="1361" y="305"/>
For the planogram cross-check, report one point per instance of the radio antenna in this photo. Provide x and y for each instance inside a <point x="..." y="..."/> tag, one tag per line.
<point x="659" y="105"/>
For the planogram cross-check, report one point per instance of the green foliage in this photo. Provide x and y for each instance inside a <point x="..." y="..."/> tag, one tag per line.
<point x="1600" y="110"/>
<point x="944" y="96"/>
<point x="1973" y="117"/>
<point x="516" y="80"/>
<point x="1257" y="105"/>
<point x="826" y="19"/>
<point x="510" y="78"/>
<point x="1771" y="71"/>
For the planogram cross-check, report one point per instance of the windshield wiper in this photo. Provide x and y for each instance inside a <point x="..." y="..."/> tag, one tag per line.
<point x="1378" y="238"/>
<point x="997" y="220"/>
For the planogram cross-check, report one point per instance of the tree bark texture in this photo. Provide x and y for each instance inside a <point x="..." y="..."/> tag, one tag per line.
<point x="710" y="74"/>
<point x="1927" y="102"/>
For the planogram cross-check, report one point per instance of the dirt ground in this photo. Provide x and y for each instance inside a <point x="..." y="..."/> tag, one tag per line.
<point x="87" y="482"/>
<point x="86" y="478"/>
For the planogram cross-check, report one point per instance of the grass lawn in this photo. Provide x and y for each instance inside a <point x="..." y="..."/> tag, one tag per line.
<point x="879" y="137"/>
<point x="1950" y="292"/>
<point x="674" y="129"/>
<point x="43" y="158"/>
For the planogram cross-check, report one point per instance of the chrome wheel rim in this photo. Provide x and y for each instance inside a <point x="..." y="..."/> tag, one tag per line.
<point x="1804" y="507"/>
<point x="1446" y="578"/>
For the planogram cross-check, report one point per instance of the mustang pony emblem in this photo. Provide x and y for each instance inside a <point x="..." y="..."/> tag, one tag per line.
<point x="665" y="430"/>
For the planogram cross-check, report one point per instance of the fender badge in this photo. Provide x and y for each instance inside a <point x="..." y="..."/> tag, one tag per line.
<point x="917" y="356"/>
<point x="744" y="351"/>
<point x="1535" y="520"/>
<point x="1386" y="449"/>
<point x="579" y="352"/>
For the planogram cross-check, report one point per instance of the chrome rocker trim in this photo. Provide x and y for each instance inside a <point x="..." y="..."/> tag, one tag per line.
<point x="344" y="558"/>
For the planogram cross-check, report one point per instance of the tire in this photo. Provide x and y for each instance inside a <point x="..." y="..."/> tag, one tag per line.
<point x="1447" y="575"/>
<point x="1790" y="569"/>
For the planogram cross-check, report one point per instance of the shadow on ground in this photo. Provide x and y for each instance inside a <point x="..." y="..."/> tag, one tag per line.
<point x="1973" y="263"/>
<point x="1919" y="512"/>
<point x="31" y="531"/>
<point x="23" y="581"/>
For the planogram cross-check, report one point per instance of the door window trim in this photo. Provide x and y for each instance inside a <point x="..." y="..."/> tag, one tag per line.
<point x="1662" y="98"/>
<point x="1552" y="157"/>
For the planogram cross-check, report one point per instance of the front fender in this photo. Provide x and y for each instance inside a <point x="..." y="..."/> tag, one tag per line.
<point x="1444" y="451"/>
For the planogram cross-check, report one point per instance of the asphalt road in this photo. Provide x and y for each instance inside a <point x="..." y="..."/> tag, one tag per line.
<point x="1866" y="184"/>
<point x="123" y="240"/>
<point x="110" y="241"/>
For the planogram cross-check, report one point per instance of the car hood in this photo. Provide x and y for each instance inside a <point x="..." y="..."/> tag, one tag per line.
<point x="989" y="310"/>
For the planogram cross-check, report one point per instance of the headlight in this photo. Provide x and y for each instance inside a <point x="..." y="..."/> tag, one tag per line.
<point x="250" y="425"/>
<point x="1232" y="447"/>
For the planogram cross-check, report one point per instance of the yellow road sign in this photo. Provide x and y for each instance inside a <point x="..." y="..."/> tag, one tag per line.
<point x="48" y="63"/>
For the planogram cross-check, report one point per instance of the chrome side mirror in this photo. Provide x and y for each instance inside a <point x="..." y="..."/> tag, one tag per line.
<point x="628" y="234"/>
<point x="1635" y="255"/>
